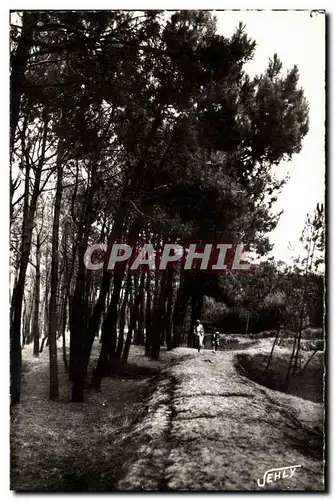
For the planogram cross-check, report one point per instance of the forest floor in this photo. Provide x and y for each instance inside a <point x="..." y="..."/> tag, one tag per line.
<point x="191" y="422"/>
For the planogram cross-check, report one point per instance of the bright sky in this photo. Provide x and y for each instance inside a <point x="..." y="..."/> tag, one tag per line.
<point x="298" y="39"/>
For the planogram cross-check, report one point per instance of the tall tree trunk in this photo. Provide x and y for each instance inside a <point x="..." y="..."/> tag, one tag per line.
<point x="168" y="319"/>
<point x="156" y="288"/>
<point x="65" y="293"/>
<point x="17" y="298"/>
<point x="46" y="305"/>
<point x="24" y="316"/>
<point x="302" y="311"/>
<point x="88" y="334"/>
<point x="271" y="353"/>
<point x="78" y="327"/>
<point x="66" y="365"/>
<point x="104" y="313"/>
<point x="109" y="327"/>
<point x="148" y="314"/>
<point x="296" y="345"/>
<point x="82" y="334"/>
<point x="157" y="324"/>
<point x="36" y="331"/>
<point x="85" y="347"/>
<point x="136" y="291"/>
<point x="163" y="327"/>
<point x="123" y="289"/>
<point x="133" y="318"/>
<point x="53" y="388"/>
<point x="29" y="331"/>
<point x="14" y="286"/>
<point x="141" y="311"/>
<point x="26" y="324"/>
<point x="123" y="316"/>
<point x="179" y="313"/>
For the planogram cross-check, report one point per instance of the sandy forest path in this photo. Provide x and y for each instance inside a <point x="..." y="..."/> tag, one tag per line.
<point x="197" y="423"/>
<point x="210" y="428"/>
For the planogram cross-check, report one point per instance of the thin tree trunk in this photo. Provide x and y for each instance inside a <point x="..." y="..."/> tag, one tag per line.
<point x="301" y="319"/>
<point x="66" y="365"/>
<point x="36" y="332"/>
<point x="132" y="323"/>
<point x="141" y="311"/>
<point x="180" y="309"/>
<point x="46" y="307"/>
<point x="53" y="388"/>
<point x="157" y="325"/>
<point x="29" y="331"/>
<point x="26" y="337"/>
<point x="288" y="373"/>
<point x="148" y="314"/>
<point x="16" y="313"/>
<point x="66" y="294"/>
<point x="156" y="289"/>
<point x="247" y="325"/>
<point x="123" y="316"/>
<point x="24" y="316"/>
<point x="136" y="291"/>
<point x="308" y="361"/>
<point x="168" y="321"/>
<point x="271" y="353"/>
<point x="14" y="286"/>
<point x="163" y="327"/>
<point x="109" y="330"/>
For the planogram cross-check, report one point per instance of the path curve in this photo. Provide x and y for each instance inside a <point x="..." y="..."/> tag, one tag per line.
<point x="207" y="427"/>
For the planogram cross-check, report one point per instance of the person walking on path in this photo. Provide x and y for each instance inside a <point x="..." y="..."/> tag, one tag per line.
<point x="215" y="340"/>
<point x="199" y="335"/>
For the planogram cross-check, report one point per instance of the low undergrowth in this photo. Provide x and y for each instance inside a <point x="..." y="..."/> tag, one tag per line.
<point x="306" y="384"/>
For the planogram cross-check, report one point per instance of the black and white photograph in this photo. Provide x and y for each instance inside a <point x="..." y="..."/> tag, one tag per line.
<point x="167" y="219"/>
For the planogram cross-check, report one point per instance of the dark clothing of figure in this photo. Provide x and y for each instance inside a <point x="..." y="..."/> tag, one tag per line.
<point x="215" y="341"/>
